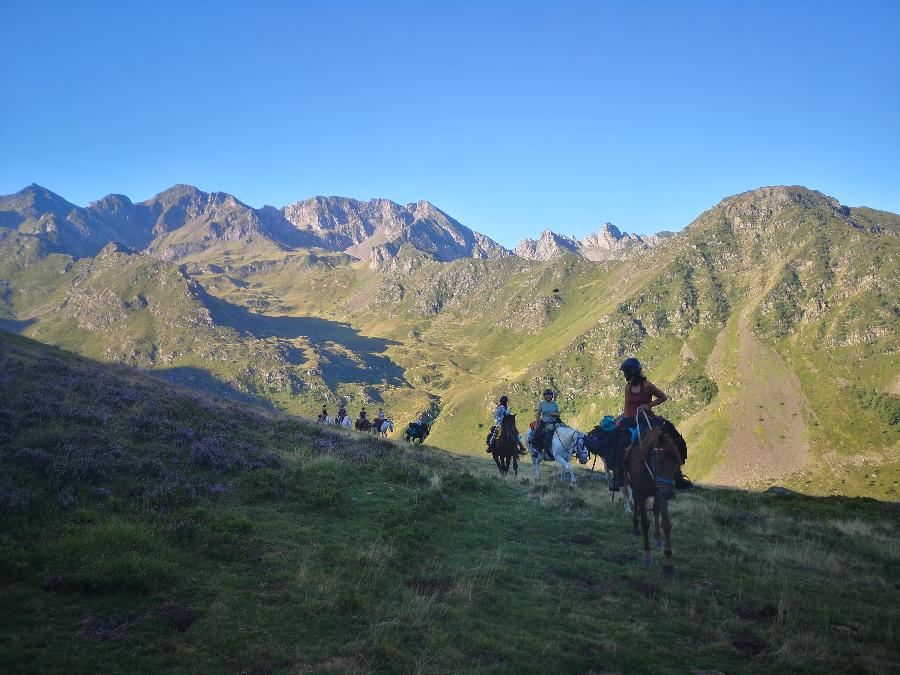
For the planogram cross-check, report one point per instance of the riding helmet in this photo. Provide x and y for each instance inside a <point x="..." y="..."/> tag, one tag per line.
<point x="548" y="391"/>
<point x="630" y="365"/>
<point x="504" y="400"/>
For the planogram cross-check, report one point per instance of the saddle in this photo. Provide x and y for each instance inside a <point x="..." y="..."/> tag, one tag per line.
<point x="660" y="422"/>
<point x="610" y="445"/>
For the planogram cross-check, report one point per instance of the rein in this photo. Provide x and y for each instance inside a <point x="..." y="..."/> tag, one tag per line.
<point x="657" y="479"/>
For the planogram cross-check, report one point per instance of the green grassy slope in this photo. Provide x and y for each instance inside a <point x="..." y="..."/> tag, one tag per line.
<point x="146" y="528"/>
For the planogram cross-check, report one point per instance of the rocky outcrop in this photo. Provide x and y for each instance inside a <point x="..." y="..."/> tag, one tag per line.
<point x="375" y="230"/>
<point x="606" y="244"/>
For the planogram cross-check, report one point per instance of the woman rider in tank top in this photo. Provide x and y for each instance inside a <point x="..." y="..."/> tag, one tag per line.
<point x="640" y="393"/>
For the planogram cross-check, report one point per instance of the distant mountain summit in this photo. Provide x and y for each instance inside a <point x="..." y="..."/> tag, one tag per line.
<point x="375" y="230"/>
<point x="608" y="243"/>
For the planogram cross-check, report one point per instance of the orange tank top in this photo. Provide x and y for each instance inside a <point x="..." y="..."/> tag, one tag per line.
<point x="635" y="399"/>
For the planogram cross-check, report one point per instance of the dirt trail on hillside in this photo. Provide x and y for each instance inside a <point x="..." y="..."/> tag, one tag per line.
<point x="768" y="429"/>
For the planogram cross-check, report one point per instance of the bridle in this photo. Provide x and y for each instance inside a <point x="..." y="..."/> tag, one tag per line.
<point x="651" y="465"/>
<point x="577" y="445"/>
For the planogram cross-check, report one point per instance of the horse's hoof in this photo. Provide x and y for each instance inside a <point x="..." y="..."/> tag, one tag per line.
<point x="669" y="570"/>
<point x="658" y="543"/>
<point x="648" y="561"/>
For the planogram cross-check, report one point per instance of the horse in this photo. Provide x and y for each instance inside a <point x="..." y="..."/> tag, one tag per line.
<point x="386" y="427"/>
<point x="567" y="442"/>
<point x="417" y="432"/>
<point x="362" y="424"/>
<point x="327" y="419"/>
<point x="346" y="423"/>
<point x="505" y="446"/>
<point x="650" y="467"/>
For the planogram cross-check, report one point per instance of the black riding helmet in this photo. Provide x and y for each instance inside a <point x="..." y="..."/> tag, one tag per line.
<point x="630" y="367"/>
<point x="548" y="392"/>
<point x="504" y="400"/>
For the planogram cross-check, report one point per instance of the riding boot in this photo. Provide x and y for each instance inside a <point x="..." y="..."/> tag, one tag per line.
<point x="489" y="439"/>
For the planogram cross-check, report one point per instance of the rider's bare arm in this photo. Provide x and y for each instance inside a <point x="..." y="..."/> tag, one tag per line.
<point x="658" y="396"/>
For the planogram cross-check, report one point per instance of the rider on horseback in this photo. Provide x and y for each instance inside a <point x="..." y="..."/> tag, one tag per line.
<point x="641" y="396"/>
<point x="379" y="420"/>
<point x="547" y="419"/>
<point x="342" y="413"/>
<point x="501" y="411"/>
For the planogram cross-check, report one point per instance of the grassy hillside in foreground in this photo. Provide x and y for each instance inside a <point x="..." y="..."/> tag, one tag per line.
<point x="144" y="528"/>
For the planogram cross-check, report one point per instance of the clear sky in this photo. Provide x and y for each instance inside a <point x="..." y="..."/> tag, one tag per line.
<point x="511" y="116"/>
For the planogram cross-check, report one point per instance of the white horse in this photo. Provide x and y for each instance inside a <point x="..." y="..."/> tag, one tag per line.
<point x="567" y="442"/>
<point x="325" y="420"/>
<point x="347" y="423"/>
<point x="387" y="427"/>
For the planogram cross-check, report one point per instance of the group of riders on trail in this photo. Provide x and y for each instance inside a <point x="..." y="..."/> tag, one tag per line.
<point x="610" y="439"/>
<point x="641" y="396"/>
<point x="362" y="422"/>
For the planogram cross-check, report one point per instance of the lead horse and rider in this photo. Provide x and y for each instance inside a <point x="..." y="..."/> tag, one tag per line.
<point x="642" y="452"/>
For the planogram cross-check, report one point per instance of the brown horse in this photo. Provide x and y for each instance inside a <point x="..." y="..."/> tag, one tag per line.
<point x="505" y="446"/>
<point x="651" y="465"/>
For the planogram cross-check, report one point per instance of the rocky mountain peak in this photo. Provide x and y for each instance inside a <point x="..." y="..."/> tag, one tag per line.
<point x="764" y="205"/>
<point x="548" y="245"/>
<point x="34" y="201"/>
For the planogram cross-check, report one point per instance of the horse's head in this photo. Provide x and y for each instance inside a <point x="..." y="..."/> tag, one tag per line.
<point x="665" y="462"/>
<point x="508" y="425"/>
<point x="580" y="449"/>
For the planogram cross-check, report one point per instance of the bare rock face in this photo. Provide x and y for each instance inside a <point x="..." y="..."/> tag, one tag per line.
<point x="376" y="229"/>
<point x="548" y="245"/>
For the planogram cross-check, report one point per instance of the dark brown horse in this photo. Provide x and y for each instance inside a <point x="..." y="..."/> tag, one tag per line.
<point x="505" y="446"/>
<point x="651" y="465"/>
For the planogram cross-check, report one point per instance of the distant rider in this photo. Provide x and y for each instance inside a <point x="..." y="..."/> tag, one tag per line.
<point x="501" y="411"/>
<point x="379" y="420"/>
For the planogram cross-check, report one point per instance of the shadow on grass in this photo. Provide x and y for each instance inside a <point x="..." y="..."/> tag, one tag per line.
<point x="197" y="378"/>
<point x="367" y="364"/>
<point x="15" y="325"/>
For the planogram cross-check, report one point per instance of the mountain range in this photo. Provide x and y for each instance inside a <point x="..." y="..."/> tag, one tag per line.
<point x="183" y="221"/>
<point x="771" y="320"/>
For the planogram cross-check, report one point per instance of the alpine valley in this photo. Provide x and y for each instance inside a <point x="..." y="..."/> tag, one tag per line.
<point x="771" y="320"/>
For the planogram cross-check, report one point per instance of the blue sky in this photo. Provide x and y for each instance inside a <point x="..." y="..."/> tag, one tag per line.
<point x="511" y="116"/>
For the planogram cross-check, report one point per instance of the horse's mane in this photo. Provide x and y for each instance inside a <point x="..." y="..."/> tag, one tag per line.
<point x="565" y="434"/>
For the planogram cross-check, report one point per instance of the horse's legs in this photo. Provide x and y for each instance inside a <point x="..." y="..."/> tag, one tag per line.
<point x="496" y="458"/>
<point x="536" y="463"/>
<point x="668" y="563"/>
<point x="656" y="534"/>
<point x="568" y="473"/>
<point x="515" y="463"/>
<point x="631" y="507"/>
<point x="641" y="505"/>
